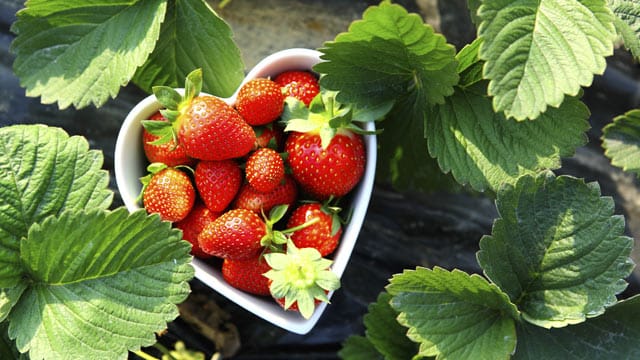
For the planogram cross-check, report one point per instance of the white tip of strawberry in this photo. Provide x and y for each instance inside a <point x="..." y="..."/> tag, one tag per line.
<point x="301" y="277"/>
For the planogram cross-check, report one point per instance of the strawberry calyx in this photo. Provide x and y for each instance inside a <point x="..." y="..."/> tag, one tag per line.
<point x="173" y="104"/>
<point x="325" y="116"/>
<point x="274" y="240"/>
<point x="300" y="276"/>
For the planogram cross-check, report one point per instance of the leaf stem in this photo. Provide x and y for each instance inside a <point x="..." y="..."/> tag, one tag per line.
<point x="144" y="355"/>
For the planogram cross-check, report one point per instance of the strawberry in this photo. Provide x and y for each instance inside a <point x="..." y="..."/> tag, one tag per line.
<point x="302" y="85"/>
<point x="169" y="153"/>
<point x="285" y="193"/>
<point x="218" y="183"/>
<point x="269" y="135"/>
<point x="260" y="101"/>
<point x="264" y="169"/>
<point x="191" y="226"/>
<point x="323" y="235"/>
<point x="300" y="278"/>
<point x="168" y="192"/>
<point x="246" y="275"/>
<point x="235" y="235"/>
<point x="325" y="172"/>
<point x="207" y="127"/>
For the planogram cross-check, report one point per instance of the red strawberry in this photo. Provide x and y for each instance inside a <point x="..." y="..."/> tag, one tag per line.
<point x="235" y="235"/>
<point x="168" y="153"/>
<point x="325" y="172"/>
<point x="260" y="101"/>
<point x="294" y="306"/>
<point x="269" y="135"/>
<point x="168" y="192"/>
<point x="246" y="275"/>
<point x="191" y="226"/>
<point x="322" y="235"/>
<point x="218" y="183"/>
<point x="285" y="193"/>
<point x="207" y="127"/>
<point x="212" y="130"/>
<point x="264" y="169"/>
<point x="302" y="85"/>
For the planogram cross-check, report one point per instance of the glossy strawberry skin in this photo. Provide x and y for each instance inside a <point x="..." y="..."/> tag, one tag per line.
<point x="169" y="193"/>
<point x="192" y="225"/>
<point x="209" y="129"/>
<point x="302" y="85"/>
<point x="218" y="183"/>
<point x="256" y="201"/>
<point x="235" y="235"/>
<point x="264" y="169"/>
<point x="246" y="275"/>
<point x="168" y="153"/>
<point x="260" y="101"/>
<point x="333" y="171"/>
<point x="317" y="235"/>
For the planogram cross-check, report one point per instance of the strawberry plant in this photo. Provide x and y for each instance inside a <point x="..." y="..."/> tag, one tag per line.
<point x="498" y="116"/>
<point x="71" y="266"/>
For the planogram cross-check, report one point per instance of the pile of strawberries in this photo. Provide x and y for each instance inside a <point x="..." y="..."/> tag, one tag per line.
<point x="253" y="183"/>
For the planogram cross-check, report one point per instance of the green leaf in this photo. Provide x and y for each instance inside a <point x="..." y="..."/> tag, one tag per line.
<point x="76" y="52"/>
<point x="193" y="36"/>
<point x="43" y="172"/>
<point x="385" y="333"/>
<point x="613" y="335"/>
<point x="103" y="282"/>
<point x="557" y="249"/>
<point x="484" y="149"/>
<point x="454" y="315"/>
<point x="359" y="348"/>
<point x="469" y="64"/>
<point x="621" y="141"/>
<point x="385" y="55"/>
<point x="627" y="23"/>
<point x="538" y="51"/>
<point x="403" y="155"/>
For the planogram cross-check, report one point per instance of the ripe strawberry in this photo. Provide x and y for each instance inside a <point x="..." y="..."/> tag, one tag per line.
<point x="269" y="135"/>
<point x="235" y="235"/>
<point x="260" y="101"/>
<point x="325" y="172"/>
<point x="168" y="153"/>
<point x="302" y="85"/>
<point x="212" y="130"/>
<point x="207" y="127"/>
<point x="264" y="169"/>
<point x="285" y="193"/>
<point x="322" y="235"/>
<point x="168" y="192"/>
<point x="191" y="226"/>
<point x="246" y="275"/>
<point x="218" y="183"/>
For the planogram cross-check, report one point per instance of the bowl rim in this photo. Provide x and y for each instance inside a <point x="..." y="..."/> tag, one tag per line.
<point x="263" y="307"/>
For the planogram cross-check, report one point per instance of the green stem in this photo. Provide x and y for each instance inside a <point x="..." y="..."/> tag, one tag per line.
<point x="144" y="355"/>
<point x="301" y="226"/>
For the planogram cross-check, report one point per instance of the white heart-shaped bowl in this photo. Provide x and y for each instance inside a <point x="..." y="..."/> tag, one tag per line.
<point x="130" y="164"/>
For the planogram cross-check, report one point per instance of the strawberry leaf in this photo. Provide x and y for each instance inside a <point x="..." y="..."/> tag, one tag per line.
<point x="621" y="141"/>
<point x="43" y="172"/>
<point x="539" y="51"/>
<point x="627" y="23"/>
<point x="98" y="275"/>
<point x="453" y="315"/>
<point x="613" y="335"/>
<point x="385" y="333"/>
<point x="557" y="249"/>
<point x="484" y="149"/>
<point x="384" y="56"/>
<point x="79" y="53"/>
<point x="192" y="33"/>
<point x="359" y="348"/>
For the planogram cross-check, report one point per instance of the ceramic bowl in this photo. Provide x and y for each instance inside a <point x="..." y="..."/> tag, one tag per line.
<point x="130" y="164"/>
